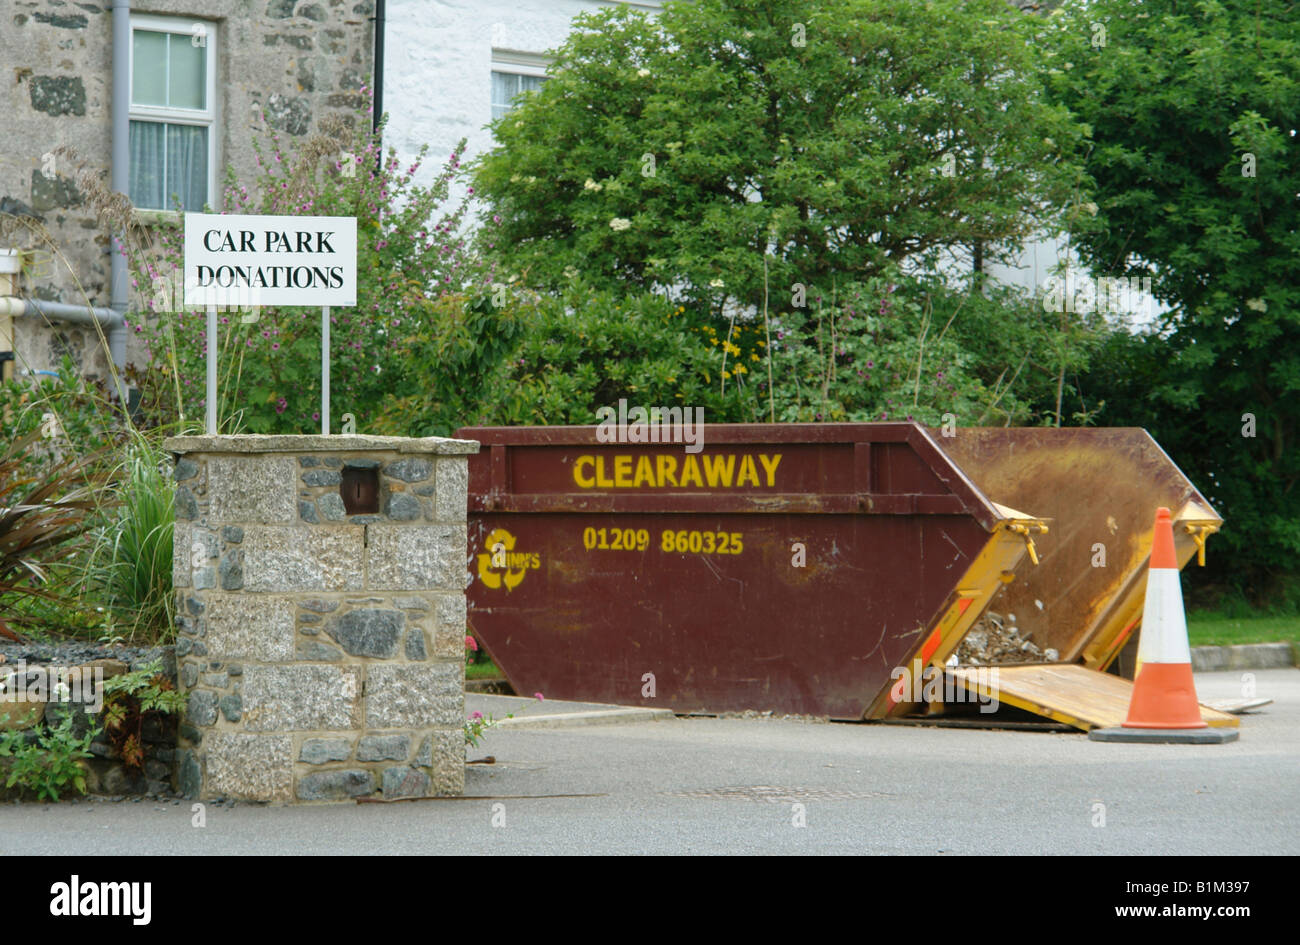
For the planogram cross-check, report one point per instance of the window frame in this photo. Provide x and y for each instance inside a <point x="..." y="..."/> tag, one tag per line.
<point x="515" y="62"/>
<point x="166" y="114"/>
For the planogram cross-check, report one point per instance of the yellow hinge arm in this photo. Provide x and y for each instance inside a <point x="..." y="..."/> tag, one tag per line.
<point x="1027" y="531"/>
<point x="1199" y="533"/>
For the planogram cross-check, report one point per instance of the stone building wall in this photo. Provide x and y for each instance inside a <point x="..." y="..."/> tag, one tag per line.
<point x="322" y="652"/>
<point x="281" y="64"/>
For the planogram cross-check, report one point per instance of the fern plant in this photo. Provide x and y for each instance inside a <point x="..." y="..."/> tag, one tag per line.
<point x="129" y="700"/>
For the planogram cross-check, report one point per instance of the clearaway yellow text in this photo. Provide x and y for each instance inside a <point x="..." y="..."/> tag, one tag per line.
<point x="718" y="471"/>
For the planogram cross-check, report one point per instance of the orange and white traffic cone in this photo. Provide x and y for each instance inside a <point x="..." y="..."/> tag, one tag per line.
<point x="1164" y="694"/>
<point x="1163" y="706"/>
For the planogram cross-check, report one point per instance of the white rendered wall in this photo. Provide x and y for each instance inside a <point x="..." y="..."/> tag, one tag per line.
<point x="1037" y="263"/>
<point x="438" y="66"/>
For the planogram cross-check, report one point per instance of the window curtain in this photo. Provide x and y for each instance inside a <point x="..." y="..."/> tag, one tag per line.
<point x="506" y="85"/>
<point x="168" y="163"/>
<point x="187" y="166"/>
<point x="146" y="178"/>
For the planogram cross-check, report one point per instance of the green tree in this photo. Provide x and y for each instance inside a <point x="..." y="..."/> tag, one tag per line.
<point x="833" y="137"/>
<point x="1194" y="109"/>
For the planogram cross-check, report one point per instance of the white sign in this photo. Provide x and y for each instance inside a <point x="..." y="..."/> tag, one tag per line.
<point x="245" y="261"/>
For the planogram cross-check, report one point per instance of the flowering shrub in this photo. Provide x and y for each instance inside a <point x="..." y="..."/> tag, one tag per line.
<point x="875" y="353"/>
<point x="477" y="724"/>
<point x="474" y="654"/>
<point x="410" y="249"/>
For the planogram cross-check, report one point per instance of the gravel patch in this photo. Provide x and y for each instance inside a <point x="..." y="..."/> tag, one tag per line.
<point x="995" y="640"/>
<point x="75" y="653"/>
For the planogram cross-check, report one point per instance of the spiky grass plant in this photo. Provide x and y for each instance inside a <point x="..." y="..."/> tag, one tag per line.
<point x="130" y="566"/>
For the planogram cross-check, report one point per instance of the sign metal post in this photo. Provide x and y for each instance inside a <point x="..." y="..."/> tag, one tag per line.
<point x="325" y="370"/>
<point x="212" y="370"/>
<point x="269" y="260"/>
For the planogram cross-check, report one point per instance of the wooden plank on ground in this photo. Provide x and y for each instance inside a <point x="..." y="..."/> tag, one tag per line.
<point x="1075" y="695"/>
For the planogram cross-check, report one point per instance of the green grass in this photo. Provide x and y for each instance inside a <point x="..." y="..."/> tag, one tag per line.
<point x="485" y="670"/>
<point x="1209" y="629"/>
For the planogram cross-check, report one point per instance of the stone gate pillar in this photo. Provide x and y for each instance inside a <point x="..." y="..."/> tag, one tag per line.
<point x="320" y="587"/>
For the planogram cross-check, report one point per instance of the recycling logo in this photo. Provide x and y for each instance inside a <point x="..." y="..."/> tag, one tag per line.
<point x="502" y="565"/>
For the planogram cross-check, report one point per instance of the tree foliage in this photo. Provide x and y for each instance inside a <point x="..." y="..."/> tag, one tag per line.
<point x="902" y="346"/>
<point x="1194" y="110"/>
<point x="555" y="359"/>
<point x="833" y="137"/>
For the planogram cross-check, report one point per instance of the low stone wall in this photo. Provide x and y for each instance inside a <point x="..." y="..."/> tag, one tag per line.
<point x="1206" y="659"/>
<point x="106" y="772"/>
<point x="322" y="651"/>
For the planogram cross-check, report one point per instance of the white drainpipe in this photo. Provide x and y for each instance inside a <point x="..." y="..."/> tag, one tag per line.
<point x="11" y="306"/>
<point x="9" y="265"/>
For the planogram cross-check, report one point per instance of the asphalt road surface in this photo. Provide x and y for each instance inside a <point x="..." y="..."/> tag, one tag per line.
<point x="708" y="786"/>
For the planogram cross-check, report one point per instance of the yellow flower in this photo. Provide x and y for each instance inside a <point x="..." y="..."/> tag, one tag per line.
<point x="754" y="357"/>
<point x="726" y="374"/>
<point x="741" y="369"/>
<point x="730" y="348"/>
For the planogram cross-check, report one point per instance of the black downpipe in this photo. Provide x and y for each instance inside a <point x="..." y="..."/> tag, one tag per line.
<point x="379" y="67"/>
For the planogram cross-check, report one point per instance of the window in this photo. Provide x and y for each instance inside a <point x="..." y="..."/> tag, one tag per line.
<point x="173" y="113"/>
<point x="512" y="74"/>
<point x="506" y="85"/>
